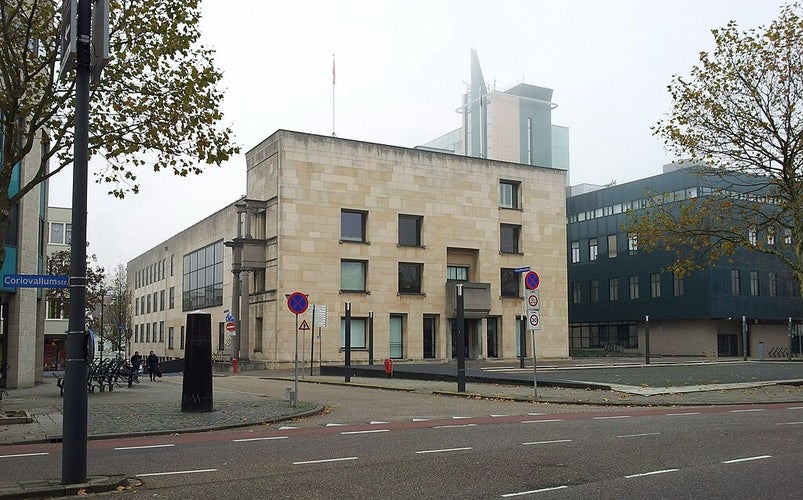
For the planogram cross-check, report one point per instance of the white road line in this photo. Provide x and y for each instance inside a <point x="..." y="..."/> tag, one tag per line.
<point x="736" y="460"/>
<point x="509" y="495"/>
<point x="664" y="471"/>
<point x="459" y="418"/>
<point x="259" y="439"/>
<point x="549" y="442"/>
<point x="325" y="460"/>
<point x="454" y="426"/>
<point x="378" y="422"/>
<point x="24" y="455"/>
<point x="144" y="447"/>
<point x="444" y="450"/>
<point x="421" y="419"/>
<point x="334" y="424"/>
<point x="795" y="408"/>
<point x="747" y="411"/>
<point x="682" y="414"/>
<point x="612" y="417"/>
<point x="639" y="435"/>
<point x="175" y="472"/>
<point x="539" y="421"/>
<point x="346" y="433"/>
<point x="535" y="414"/>
<point x="500" y="415"/>
<point x="789" y="423"/>
<point x="287" y="427"/>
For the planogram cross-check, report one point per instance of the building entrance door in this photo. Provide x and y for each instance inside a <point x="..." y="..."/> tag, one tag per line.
<point x="728" y="345"/>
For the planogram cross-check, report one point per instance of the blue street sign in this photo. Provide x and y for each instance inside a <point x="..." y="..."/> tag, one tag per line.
<point x="521" y="269"/>
<point x="297" y="303"/>
<point x="35" y="281"/>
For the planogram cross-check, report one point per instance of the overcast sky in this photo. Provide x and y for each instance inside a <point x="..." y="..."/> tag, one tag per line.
<point x="402" y="66"/>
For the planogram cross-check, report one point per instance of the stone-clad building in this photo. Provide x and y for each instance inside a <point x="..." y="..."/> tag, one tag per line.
<point x="387" y="231"/>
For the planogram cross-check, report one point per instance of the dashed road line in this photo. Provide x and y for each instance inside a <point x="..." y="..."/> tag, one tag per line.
<point x="372" y="431"/>
<point x="789" y="423"/>
<point x="454" y="426"/>
<point x="521" y="493"/>
<point x="176" y="472"/>
<point x="549" y="442"/>
<point x="18" y="455"/>
<point x="612" y="417"/>
<point x="271" y="438"/>
<point x="651" y="473"/>
<point x="540" y="421"/>
<point x="639" y="435"/>
<point x="747" y="411"/>
<point x="682" y="414"/>
<point x="325" y="460"/>
<point x="144" y="447"/>
<point x="737" y="460"/>
<point x="443" y="450"/>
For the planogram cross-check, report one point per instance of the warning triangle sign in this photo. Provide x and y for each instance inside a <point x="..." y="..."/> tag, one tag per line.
<point x="304" y="326"/>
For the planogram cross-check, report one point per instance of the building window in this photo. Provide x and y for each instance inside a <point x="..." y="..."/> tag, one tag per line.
<point x="575" y="252"/>
<point x="632" y="243"/>
<point x="60" y="233"/>
<point x="772" y="284"/>
<point x="221" y="336"/>
<point x="410" y="277"/>
<point x="172" y="297"/>
<point x="613" y="289"/>
<point x="751" y="235"/>
<point x="736" y="286"/>
<point x="509" y="194"/>
<point x="575" y="293"/>
<point x="161" y="331"/>
<point x="161" y="300"/>
<point x="410" y="230"/>
<point x="172" y="263"/>
<point x="594" y="290"/>
<point x="509" y="238"/>
<point x="771" y="237"/>
<point x="181" y="339"/>
<point x="655" y="285"/>
<point x="593" y="249"/>
<point x="358" y="330"/>
<point x="352" y="275"/>
<point x="429" y="337"/>
<point x="396" y="336"/>
<point x="149" y="303"/>
<point x="787" y="236"/>
<point x="170" y="339"/>
<point x="753" y="282"/>
<point x="203" y="278"/>
<point x="633" y="287"/>
<point x="55" y="310"/>
<point x="136" y="306"/>
<point x="510" y="283"/>
<point x="352" y="225"/>
<point x="677" y="285"/>
<point x="457" y="273"/>
<point x="612" y="251"/>
<point x="148" y="332"/>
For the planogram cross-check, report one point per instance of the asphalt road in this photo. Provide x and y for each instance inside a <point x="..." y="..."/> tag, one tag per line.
<point x="714" y="452"/>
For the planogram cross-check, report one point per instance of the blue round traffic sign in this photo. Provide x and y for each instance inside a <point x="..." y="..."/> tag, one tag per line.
<point x="531" y="280"/>
<point x="297" y="303"/>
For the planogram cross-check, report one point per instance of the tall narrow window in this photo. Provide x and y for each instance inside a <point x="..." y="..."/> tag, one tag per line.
<point x="612" y="250"/>
<point x="677" y="285"/>
<point x="655" y="285"/>
<point x="593" y="249"/>
<point x="736" y="285"/>
<point x="456" y="273"/>
<point x="575" y="292"/>
<point x="772" y="284"/>
<point x="396" y="348"/>
<point x="509" y="238"/>
<point x="170" y="339"/>
<point x="613" y="289"/>
<point x="575" y="252"/>
<point x="632" y="243"/>
<point x="352" y="225"/>
<point x="594" y="290"/>
<point x="509" y="194"/>
<point x="753" y="282"/>
<point x="358" y="330"/>
<point x="633" y="287"/>
<point x="410" y="230"/>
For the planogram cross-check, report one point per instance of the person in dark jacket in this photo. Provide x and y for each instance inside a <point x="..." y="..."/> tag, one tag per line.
<point x="153" y="365"/>
<point x="136" y="361"/>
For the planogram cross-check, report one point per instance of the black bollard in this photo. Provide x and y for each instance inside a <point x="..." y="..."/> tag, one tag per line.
<point x="196" y="393"/>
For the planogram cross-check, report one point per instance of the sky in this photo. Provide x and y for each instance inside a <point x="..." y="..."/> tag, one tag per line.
<point x="401" y="69"/>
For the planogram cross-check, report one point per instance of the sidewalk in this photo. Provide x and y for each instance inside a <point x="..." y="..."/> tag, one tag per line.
<point x="34" y="415"/>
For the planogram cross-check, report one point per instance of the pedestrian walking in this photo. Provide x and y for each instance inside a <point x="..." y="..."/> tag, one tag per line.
<point x="136" y="362"/>
<point x="153" y="365"/>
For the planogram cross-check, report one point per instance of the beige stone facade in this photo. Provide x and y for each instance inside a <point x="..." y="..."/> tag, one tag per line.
<point x="298" y="188"/>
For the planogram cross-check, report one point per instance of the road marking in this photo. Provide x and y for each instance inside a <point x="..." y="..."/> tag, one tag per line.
<point x="459" y="418"/>
<point x="346" y="433"/>
<point x="539" y="421"/>
<point x="535" y="414"/>
<point x="421" y="419"/>
<point x="259" y="439"/>
<point x="789" y="423"/>
<point x="378" y="422"/>
<point x="664" y="471"/>
<point x="287" y="427"/>
<point x="325" y="460"/>
<point x="549" y="442"/>
<point x="24" y="455"/>
<point x="795" y="408"/>
<point x="444" y="450"/>
<point x="612" y="417"/>
<point x="747" y="411"/>
<point x="145" y="447"/>
<point x="454" y="426"/>
<point x="176" y="472"/>
<point x="639" y="435"/>
<point x="736" y="460"/>
<point x="335" y="425"/>
<point x="682" y="414"/>
<point x="500" y="415"/>
<point x="509" y="495"/>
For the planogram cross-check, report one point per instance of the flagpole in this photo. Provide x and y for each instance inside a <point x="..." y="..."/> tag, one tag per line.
<point x="333" y="96"/>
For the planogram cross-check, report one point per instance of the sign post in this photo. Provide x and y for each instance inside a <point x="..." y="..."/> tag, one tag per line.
<point x="531" y="281"/>
<point x="297" y="303"/>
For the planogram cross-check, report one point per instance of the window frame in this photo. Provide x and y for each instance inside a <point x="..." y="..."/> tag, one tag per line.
<point x="404" y="236"/>
<point x="510" y="238"/>
<point x="415" y="286"/>
<point x="514" y="202"/>
<point x="507" y="292"/>
<point x="364" y="271"/>
<point x="346" y="237"/>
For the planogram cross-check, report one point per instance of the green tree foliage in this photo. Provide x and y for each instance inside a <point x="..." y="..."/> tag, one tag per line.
<point x="157" y="105"/>
<point x="58" y="264"/>
<point x="739" y="117"/>
<point x="118" y="312"/>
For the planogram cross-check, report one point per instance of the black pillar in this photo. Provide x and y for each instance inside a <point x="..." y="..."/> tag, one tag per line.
<point x="370" y="337"/>
<point x="347" y="370"/>
<point x="522" y="340"/>
<point x="647" y="339"/>
<point x="461" y="341"/>
<point x="196" y="392"/>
